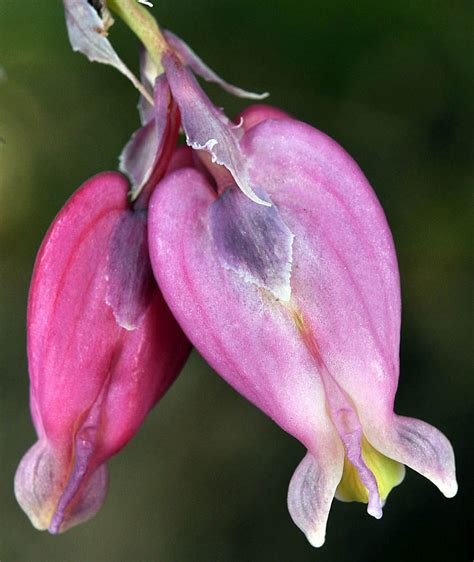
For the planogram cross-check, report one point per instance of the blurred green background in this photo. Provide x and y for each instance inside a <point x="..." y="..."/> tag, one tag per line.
<point x="206" y="478"/>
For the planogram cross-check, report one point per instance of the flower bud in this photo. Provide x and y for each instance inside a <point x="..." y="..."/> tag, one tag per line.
<point x="103" y="348"/>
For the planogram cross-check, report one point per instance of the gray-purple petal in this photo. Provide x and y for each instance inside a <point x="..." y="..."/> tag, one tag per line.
<point x="253" y="241"/>
<point x="131" y="284"/>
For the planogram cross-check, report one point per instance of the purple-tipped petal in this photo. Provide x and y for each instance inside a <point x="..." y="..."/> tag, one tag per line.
<point x="199" y="67"/>
<point x="87" y="28"/>
<point x="86" y="504"/>
<point x="206" y="127"/>
<point x="73" y="503"/>
<point x="350" y="432"/>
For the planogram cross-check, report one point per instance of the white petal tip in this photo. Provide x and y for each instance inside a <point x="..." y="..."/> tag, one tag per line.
<point x="375" y="512"/>
<point x="316" y="538"/>
<point x="256" y="199"/>
<point x="449" y="490"/>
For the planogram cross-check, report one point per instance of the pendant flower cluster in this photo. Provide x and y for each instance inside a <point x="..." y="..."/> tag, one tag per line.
<point x="261" y="243"/>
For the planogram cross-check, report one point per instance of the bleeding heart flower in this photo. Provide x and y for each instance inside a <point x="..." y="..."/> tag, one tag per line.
<point x="294" y="302"/>
<point x="103" y="348"/>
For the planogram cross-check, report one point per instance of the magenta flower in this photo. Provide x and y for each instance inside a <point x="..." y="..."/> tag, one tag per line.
<point x="103" y="347"/>
<point x="295" y="302"/>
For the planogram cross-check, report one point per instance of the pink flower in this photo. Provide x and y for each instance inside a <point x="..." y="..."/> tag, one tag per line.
<point x="103" y="348"/>
<point x="294" y="300"/>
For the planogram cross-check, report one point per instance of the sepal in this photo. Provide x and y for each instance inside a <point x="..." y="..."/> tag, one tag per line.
<point x="199" y="67"/>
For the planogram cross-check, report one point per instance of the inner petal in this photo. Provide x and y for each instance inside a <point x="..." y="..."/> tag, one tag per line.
<point x="361" y="467"/>
<point x="350" y="431"/>
<point x="388" y="474"/>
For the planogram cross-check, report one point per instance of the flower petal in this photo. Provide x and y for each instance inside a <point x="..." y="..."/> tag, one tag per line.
<point x="247" y="335"/>
<point x="257" y="113"/>
<point x="131" y="285"/>
<point x="67" y="302"/>
<point x="312" y="490"/>
<point x="206" y="127"/>
<point x="419" y="445"/>
<point x="253" y="241"/>
<point x="346" y="281"/>
<point x="38" y="488"/>
<point x="199" y="67"/>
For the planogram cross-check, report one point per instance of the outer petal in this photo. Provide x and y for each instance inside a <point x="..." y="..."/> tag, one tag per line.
<point x="346" y="262"/>
<point x="346" y="282"/>
<point x="92" y="380"/>
<point x="204" y="295"/>
<point x="313" y="486"/>
<point x="67" y="298"/>
<point x="249" y="339"/>
<point x="420" y="446"/>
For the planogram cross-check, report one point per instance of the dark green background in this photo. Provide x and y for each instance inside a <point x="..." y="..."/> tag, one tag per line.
<point x="206" y="478"/>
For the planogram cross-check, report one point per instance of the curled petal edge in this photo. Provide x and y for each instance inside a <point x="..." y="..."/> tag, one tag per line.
<point x="312" y="489"/>
<point x="418" y="445"/>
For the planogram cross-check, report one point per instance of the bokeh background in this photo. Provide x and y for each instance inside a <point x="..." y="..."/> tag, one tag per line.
<point x="206" y="478"/>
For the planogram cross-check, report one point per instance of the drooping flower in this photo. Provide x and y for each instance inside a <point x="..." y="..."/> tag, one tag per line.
<point x="295" y="302"/>
<point x="103" y="348"/>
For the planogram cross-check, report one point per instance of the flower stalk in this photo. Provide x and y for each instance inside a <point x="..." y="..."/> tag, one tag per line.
<point x="144" y="25"/>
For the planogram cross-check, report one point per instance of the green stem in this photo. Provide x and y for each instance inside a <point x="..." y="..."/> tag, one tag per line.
<point x="143" y="24"/>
